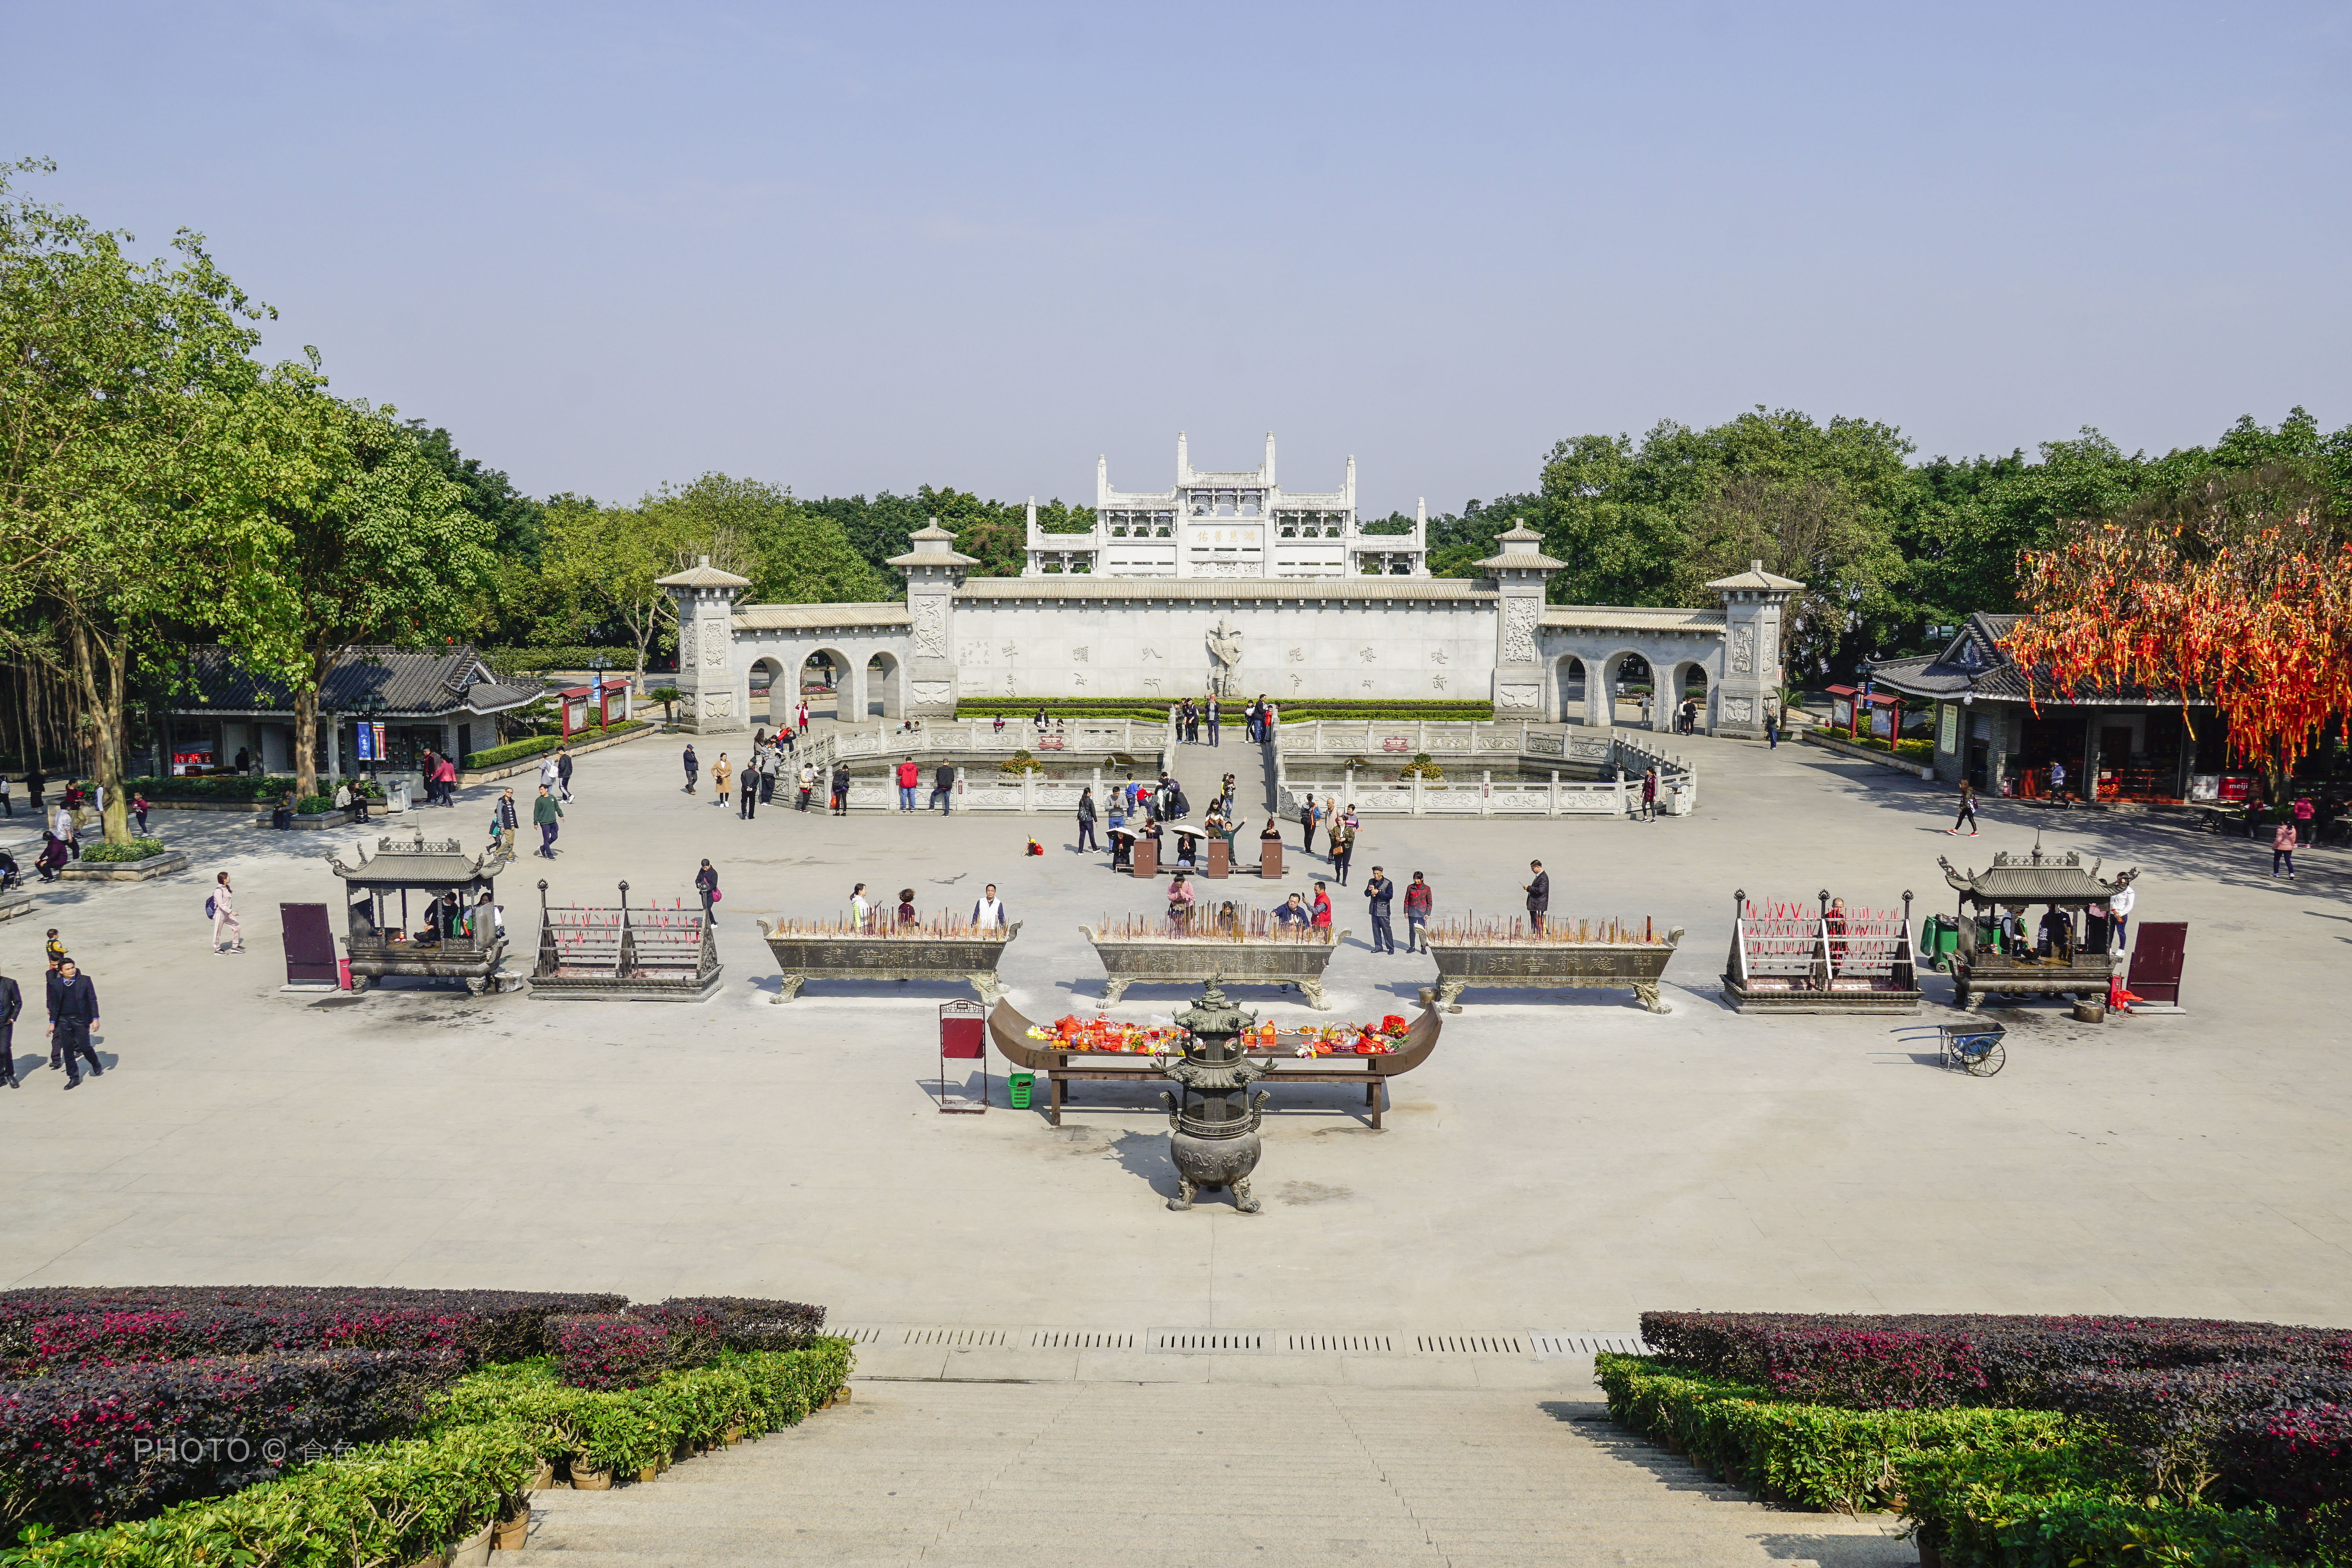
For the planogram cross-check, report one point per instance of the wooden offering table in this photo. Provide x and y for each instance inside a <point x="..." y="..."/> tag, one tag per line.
<point x="1269" y="859"/>
<point x="1062" y="1065"/>
<point x="1568" y="955"/>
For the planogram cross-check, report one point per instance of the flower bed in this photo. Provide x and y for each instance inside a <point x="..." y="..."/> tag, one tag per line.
<point x="129" y="849"/>
<point x="284" y="1476"/>
<point x="2020" y="1440"/>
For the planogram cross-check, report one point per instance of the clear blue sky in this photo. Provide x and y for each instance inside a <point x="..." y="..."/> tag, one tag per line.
<point x="850" y="247"/>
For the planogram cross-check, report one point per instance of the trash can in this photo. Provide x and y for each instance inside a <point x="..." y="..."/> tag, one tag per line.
<point x="395" y="795"/>
<point x="1017" y="1087"/>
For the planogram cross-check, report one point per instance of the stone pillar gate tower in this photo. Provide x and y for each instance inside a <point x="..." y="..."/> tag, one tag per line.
<point x="934" y="572"/>
<point x="1753" y="602"/>
<point x="713" y="688"/>
<point x="1520" y="572"/>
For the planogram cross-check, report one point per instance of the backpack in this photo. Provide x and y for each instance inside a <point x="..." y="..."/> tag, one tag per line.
<point x="208" y="908"/>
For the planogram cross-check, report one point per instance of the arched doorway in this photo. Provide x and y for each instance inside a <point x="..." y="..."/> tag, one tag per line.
<point x="883" y="698"/>
<point x="1688" y="684"/>
<point x="1625" y="680"/>
<point x="1569" y="686"/>
<point x="770" y="690"/>
<point x="822" y="681"/>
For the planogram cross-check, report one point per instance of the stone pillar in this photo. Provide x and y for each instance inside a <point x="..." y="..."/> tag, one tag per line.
<point x="1753" y="603"/>
<point x="714" y="694"/>
<point x="934" y="572"/>
<point x="1519" y="574"/>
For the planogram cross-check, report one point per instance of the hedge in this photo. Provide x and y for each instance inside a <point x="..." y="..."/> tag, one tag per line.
<point x="1871" y="1362"/>
<point x="499" y="757"/>
<point x="265" y="789"/>
<point x="129" y="849"/>
<point x="1819" y="1456"/>
<point x="480" y="1441"/>
<point x="94" y="1444"/>
<point x="66" y="1326"/>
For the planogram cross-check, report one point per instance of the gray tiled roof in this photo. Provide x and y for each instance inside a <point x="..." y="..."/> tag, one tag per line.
<point x="1975" y="664"/>
<point x="428" y="684"/>
<point x="413" y="863"/>
<point x="2032" y="880"/>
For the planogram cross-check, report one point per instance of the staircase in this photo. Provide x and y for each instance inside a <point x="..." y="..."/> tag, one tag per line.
<point x="1194" y="1475"/>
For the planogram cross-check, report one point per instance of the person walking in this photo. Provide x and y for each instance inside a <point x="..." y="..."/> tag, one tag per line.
<point x="1087" y="821"/>
<point x="2282" y="848"/>
<point x="2058" y="782"/>
<point x="692" y="767"/>
<point x="12" y="1006"/>
<point x="942" y="789"/>
<point x="1650" y="795"/>
<point x="67" y="831"/>
<point x="1343" y="847"/>
<point x="772" y="765"/>
<point x="139" y="808"/>
<point x="222" y="908"/>
<point x="428" y="769"/>
<point x="750" y="806"/>
<point x="1306" y="818"/>
<point x="987" y="913"/>
<point x="840" y="789"/>
<point x="720" y="772"/>
<point x="1418" y="898"/>
<point x="563" y="772"/>
<point x="1968" y="812"/>
<point x="2305" y="818"/>
<point x="706" y="883"/>
<point x="508" y="821"/>
<point x="73" y="1008"/>
<point x="909" y="776"/>
<point x="1539" y="891"/>
<point x="7" y="806"/>
<point x="2119" y="908"/>
<point x="1377" y="892"/>
<point x="800" y="717"/>
<point x="547" y="815"/>
<point x="808" y="783"/>
<point x="1772" y="728"/>
<point x="35" y="781"/>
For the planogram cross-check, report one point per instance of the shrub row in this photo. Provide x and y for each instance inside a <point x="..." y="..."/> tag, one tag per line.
<point x="129" y="849"/>
<point x="1929" y="1360"/>
<point x="1819" y="1456"/>
<point x="499" y="757"/>
<point x="609" y="1350"/>
<point x="72" y="1326"/>
<point x="2264" y="1432"/>
<point x="481" y="1439"/>
<point x="91" y="1445"/>
<point x="267" y="787"/>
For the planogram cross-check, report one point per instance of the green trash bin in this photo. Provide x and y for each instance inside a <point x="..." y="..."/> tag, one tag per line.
<point x="1017" y="1087"/>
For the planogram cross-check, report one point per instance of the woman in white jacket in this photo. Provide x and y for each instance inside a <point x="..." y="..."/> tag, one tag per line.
<point x="224" y="917"/>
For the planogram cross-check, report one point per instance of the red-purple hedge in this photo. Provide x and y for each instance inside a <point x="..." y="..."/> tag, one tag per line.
<point x="612" y="1351"/>
<point x="92" y="1445"/>
<point x="2297" y="1457"/>
<point x="1925" y="1361"/>
<point x="96" y="1326"/>
<point x="743" y="1322"/>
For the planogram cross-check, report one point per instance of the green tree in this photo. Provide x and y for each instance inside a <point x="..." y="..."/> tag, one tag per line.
<point x="599" y="568"/>
<point x="378" y="549"/>
<point x="132" y="466"/>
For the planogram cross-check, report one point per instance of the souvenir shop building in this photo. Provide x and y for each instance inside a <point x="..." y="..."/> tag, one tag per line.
<point x="445" y="700"/>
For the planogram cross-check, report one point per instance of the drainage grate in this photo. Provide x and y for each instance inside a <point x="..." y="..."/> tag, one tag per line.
<point x="864" y="1335"/>
<point x="954" y="1337"/>
<point x="1079" y="1340"/>
<point x="1363" y="1344"/>
<point x="1204" y="1339"/>
<point x="1468" y="1344"/>
<point x="1564" y="1344"/>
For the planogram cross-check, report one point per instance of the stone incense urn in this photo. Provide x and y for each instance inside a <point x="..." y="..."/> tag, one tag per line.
<point x="1213" y="1118"/>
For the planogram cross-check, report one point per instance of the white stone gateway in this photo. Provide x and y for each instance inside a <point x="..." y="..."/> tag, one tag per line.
<point x="1226" y="585"/>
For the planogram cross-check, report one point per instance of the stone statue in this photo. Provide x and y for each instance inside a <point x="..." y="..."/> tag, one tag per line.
<point x="1225" y="647"/>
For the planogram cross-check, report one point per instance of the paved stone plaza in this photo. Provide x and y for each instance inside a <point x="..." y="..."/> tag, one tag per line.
<point x="1557" y="1165"/>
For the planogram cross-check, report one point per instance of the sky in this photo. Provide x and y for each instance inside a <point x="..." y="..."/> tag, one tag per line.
<point x="858" y="248"/>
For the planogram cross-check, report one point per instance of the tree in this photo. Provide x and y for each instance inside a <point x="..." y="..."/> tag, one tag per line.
<point x="757" y="530"/>
<point x="2237" y="590"/>
<point x="378" y="549"/>
<point x="134" y="446"/>
<point x="600" y="563"/>
<point x="1812" y="530"/>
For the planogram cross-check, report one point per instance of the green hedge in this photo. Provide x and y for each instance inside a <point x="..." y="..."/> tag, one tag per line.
<point x="1986" y="1488"/>
<point x="266" y="788"/>
<point x="1817" y="1455"/>
<point x="131" y="849"/>
<point x="394" y="1503"/>
<point x="499" y="757"/>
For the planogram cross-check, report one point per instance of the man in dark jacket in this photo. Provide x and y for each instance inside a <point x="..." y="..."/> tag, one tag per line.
<point x="1377" y="892"/>
<point x="547" y="815"/>
<point x="73" y="1008"/>
<point x="841" y="789"/>
<point x="942" y="790"/>
<point x="563" y="772"/>
<point x="1417" y="900"/>
<point x="12" y="1003"/>
<point x="1538" y="895"/>
<point x="692" y="767"/>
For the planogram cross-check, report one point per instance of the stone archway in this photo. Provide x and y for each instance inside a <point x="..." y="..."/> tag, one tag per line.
<point x="1688" y="681"/>
<point x="882" y="687"/>
<point x="838" y="699"/>
<point x="1625" y="667"/>
<point x="771" y="671"/>
<point x="1571" y="683"/>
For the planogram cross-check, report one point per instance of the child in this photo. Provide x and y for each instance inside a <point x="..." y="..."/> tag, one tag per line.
<point x="906" y="906"/>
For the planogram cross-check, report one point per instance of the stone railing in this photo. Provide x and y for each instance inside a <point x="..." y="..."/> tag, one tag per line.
<point x="1519" y="745"/>
<point x="1090" y="744"/>
<point x="980" y="737"/>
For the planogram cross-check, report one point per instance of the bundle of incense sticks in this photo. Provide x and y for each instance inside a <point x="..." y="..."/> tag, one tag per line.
<point x="1556" y="931"/>
<point x="885" y="923"/>
<point x="1209" y="925"/>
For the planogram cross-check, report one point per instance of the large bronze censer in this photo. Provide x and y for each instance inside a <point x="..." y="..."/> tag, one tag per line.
<point x="1213" y="1118"/>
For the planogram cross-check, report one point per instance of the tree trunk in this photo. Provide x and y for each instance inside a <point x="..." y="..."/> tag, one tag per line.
<point x="305" y="741"/>
<point x="101" y="691"/>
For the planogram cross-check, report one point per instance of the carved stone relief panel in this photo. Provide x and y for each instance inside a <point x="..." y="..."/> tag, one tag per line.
<point x="1519" y="616"/>
<point x="928" y="613"/>
<point x="929" y="693"/>
<point x="1517" y="696"/>
<point x="1743" y="649"/>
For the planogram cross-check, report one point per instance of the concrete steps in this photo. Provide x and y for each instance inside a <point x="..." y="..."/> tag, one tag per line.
<point x="1175" y="1476"/>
